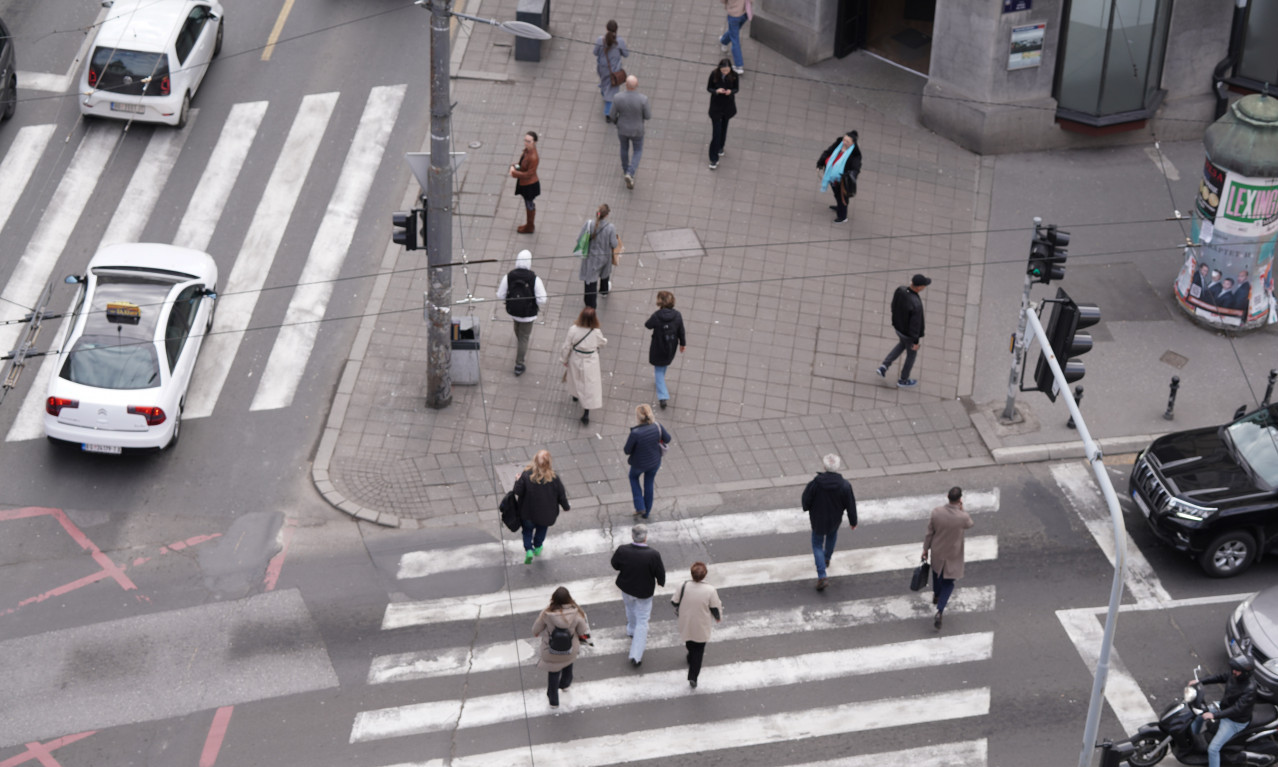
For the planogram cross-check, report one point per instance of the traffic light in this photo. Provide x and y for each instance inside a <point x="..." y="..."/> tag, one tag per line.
<point x="405" y="223"/>
<point x="1047" y="255"/>
<point x="1062" y="329"/>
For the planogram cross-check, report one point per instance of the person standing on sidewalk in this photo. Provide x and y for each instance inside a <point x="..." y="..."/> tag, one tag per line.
<point x="696" y="603"/>
<point x="825" y="499"/>
<point x="723" y="86"/>
<point x="737" y="17"/>
<point x="639" y="572"/>
<point x="524" y="294"/>
<point x="541" y="495"/>
<point x="840" y="164"/>
<point x="527" y="185"/>
<point x="645" y="446"/>
<point x="604" y="249"/>
<point x="945" y="533"/>
<point x="907" y="321"/>
<point x="629" y="112"/>
<point x="562" y="627"/>
<point x="580" y="355"/>
<point x="666" y="325"/>
<point x="609" y="50"/>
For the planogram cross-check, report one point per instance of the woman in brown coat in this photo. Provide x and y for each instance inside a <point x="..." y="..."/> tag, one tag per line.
<point x="528" y="186"/>
<point x="945" y="532"/>
<point x="562" y="627"/>
<point x="695" y="604"/>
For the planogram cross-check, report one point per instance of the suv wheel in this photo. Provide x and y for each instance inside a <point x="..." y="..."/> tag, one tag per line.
<point x="1228" y="554"/>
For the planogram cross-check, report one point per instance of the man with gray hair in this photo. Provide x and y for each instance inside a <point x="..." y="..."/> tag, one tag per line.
<point x="640" y="571"/>
<point x="825" y="499"/>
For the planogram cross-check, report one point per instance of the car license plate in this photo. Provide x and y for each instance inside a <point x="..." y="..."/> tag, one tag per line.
<point x="108" y="449"/>
<point x="136" y="109"/>
<point x="1141" y="503"/>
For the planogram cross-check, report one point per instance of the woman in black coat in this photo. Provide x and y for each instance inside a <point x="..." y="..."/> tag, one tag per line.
<point x="839" y="165"/>
<point x="541" y="495"/>
<point x="666" y="325"/>
<point x="723" y="87"/>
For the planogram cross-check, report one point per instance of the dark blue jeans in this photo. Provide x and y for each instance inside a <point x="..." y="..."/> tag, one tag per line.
<point x="534" y="535"/>
<point x="904" y="345"/>
<point x="823" y="549"/>
<point x="942" y="588"/>
<point x="643" y="498"/>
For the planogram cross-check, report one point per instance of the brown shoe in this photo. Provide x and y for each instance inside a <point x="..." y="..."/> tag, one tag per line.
<point x="528" y="228"/>
<point x="822" y="583"/>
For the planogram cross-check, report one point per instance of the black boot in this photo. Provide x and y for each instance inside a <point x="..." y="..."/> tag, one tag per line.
<point x="585" y="417"/>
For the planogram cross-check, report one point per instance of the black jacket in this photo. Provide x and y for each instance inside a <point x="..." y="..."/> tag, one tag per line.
<point x="907" y="313"/>
<point x="1239" y="697"/>
<point x="667" y="336"/>
<point x="851" y="168"/>
<point x="825" y="499"/>
<point x="721" y="105"/>
<point x="640" y="570"/>
<point x="540" y="501"/>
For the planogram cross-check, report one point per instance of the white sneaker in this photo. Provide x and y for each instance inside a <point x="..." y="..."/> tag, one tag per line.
<point x="739" y="70"/>
<point x="714" y="165"/>
<point x="724" y="48"/>
<point x="630" y="181"/>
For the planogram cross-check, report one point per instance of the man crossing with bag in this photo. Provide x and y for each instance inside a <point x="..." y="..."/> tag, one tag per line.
<point x="524" y="294"/>
<point x="945" y="533"/>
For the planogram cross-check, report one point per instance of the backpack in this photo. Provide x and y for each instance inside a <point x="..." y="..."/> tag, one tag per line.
<point x="521" y="293"/>
<point x="560" y="641"/>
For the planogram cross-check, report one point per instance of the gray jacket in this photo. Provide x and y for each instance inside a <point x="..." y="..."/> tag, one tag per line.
<point x="629" y="111"/>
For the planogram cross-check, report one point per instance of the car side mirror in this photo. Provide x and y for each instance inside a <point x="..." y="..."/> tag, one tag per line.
<point x="209" y="293"/>
<point x="1239" y="413"/>
<point x="73" y="279"/>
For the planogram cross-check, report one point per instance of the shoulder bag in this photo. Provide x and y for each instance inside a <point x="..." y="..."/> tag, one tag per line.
<point x="616" y="76"/>
<point x="677" y="602"/>
<point x="661" y="443"/>
<point x="574" y="348"/>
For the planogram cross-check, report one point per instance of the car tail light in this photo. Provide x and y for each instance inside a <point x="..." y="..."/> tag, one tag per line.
<point x="54" y="405"/>
<point x="154" y="415"/>
<point x="93" y="77"/>
<point x="164" y="85"/>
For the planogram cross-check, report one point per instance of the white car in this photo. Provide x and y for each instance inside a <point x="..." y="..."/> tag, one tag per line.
<point x="123" y="369"/>
<point x="149" y="58"/>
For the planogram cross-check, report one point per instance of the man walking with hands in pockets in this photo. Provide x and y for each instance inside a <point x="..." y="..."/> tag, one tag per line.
<point x="640" y="571"/>
<point x="945" y="532"/>
<point x="825" y="499"/>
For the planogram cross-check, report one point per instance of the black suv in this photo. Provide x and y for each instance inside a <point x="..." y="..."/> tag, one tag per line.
<point x="1213" y="493"/>
<point x="8" y="74"/>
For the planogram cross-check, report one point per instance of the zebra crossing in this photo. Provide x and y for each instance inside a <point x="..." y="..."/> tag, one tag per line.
<point x="745" y="647"/>
<point x="94" y="161"/>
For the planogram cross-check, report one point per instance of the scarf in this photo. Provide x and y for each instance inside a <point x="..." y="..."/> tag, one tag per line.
<point x="834" y="170"/>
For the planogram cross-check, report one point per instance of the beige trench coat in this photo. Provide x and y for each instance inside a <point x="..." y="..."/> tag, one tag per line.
<point x="585" y="382"/>
<point x="572" y="618"/>
<point x="945" y="532"/>
<point x="695" y="620"/>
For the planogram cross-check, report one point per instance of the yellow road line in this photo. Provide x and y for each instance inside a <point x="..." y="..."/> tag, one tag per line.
<point x="276" y="30"/>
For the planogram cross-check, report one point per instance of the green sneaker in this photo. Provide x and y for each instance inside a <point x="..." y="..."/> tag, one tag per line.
<point x="528" y="555"/>
<point x="537" y="552"/>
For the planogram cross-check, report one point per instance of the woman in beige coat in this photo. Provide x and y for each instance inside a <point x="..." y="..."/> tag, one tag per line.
<point x="580" y="354"/>
<point x="695" y="604"/>
<point x="557" y="651"/>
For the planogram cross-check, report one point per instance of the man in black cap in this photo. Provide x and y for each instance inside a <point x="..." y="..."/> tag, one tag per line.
<point x="907" y="321"/>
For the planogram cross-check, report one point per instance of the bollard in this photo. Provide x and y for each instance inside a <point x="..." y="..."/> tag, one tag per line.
<point x="1269" y="390"/>
<point x="1078" y="398"/>
<point x="1171" y="398"/>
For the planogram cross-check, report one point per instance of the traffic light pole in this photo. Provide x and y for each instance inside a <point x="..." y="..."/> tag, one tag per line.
<point x="1018" y="346"/>
<point x="439" y="221"/>
<point x="1096" y="459"/>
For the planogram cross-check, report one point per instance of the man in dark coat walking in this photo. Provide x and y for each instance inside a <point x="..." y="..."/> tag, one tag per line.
<point x="825" y="499"/>
<point x="907" y="321"/>
<point x="640" y="571"/>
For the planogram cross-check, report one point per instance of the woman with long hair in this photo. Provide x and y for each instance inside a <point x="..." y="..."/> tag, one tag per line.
<point x="527" y="185"/>
<point x="645" y="446"/>
<point x="540" y="495"/>
<point x="723" y="87"/>
<point x="580" y="355"/>
<point x="562" y="627"/>
<point x="609" y="50"/>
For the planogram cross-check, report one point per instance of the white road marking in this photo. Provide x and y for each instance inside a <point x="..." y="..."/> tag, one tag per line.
<point x="425" y="664"/>
<point x="679" y="740"/>
<point x="1086" y="630"/>
<point x="332" y="241"/>
<point x="18" y="165"/>
<point x="418" y="718"/>
<point x="1080" y="490"/>
<point x="240" y="293"/>
<point x="223" y="168"/>
<point x="734" y="574"/>
<point x="149" y="177"/>
<point x="967" y="753"/>
<point x="418" y="564"/>
<point x="1162" y="162"/>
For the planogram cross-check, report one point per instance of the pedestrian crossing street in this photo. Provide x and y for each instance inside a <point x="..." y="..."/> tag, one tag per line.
<point x="748" y="658"/>
<point x="240" y="144"/>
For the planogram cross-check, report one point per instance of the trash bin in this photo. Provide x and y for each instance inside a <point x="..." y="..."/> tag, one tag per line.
<point x="537" y="13"/>
<point x="465" y="364"/>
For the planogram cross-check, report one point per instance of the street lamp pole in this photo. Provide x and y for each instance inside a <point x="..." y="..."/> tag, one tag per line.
<point x="439" y="216"/>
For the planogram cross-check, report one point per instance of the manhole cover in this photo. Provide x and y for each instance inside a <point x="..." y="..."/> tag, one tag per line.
<point x="673" y="243"/>
<point x="476" y="144"/>
<point x="1177" y="361"/>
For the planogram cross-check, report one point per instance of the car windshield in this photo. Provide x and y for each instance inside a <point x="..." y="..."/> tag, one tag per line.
<point x="1255" y="440"/>
<point x="131" y="72"/>
<point x="117" y="348"/>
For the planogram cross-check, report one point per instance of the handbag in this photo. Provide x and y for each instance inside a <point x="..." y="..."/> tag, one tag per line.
<point x="583" y="242"/>
<point x="919" y="579"/>
<point x="665" y="446"/>
<point x="615" y="76"/>
<point x="509" y="509"/>
<point x="677" y="602"/>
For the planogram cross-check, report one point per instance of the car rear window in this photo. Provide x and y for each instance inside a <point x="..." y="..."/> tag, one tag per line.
<point x="108" y="362"/>
<point x="127" y="72"/>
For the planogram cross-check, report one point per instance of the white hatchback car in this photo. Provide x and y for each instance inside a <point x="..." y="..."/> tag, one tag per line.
<point x="125" y="365"/>
<point x="149" y="58"/>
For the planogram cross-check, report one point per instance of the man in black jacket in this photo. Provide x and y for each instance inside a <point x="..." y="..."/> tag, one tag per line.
<point x="640" y="571"/>
<point x="907" y="321"/>
<point x="825" y="499"/>
<point x="1235" y="704"/>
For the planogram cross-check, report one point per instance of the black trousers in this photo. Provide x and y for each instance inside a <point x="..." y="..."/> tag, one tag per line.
<point x="718" y="137"/>
<point x="840" y="204"/>
<point x="556" y="681"/>
<point x="696" y="651"/>
<point x="594" y="289"/>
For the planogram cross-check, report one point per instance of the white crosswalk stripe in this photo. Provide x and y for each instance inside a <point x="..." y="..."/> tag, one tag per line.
<point x="18" y="165"/>
<point x="223" y="168"/>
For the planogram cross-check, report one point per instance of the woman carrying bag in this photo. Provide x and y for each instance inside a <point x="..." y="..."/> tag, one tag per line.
<point x="580" y="355"/>
<point x="562" y="628"/>
<point x="541" y="495"/>
<point x="840" y="164"/>
<point x="695" y="604"/>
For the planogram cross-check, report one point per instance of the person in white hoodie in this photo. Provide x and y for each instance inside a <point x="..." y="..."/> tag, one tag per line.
<point x="524" y="294"/>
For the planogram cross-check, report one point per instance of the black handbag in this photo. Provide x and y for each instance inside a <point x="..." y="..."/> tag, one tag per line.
<point x="919" y="579"/>
<point x="509" y="509"/>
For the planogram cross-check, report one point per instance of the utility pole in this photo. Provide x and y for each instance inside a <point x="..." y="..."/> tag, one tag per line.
<point x="439" y="218"/>
<point x="1018" y="344"/>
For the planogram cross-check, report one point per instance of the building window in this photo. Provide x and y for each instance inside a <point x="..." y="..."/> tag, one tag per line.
<point x="1111" y="60"/>
<point x="1258" y="62"/>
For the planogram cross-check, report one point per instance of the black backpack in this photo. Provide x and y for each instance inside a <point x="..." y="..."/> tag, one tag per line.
<point x="521" y="293"/>
<point x="560" y="641"/>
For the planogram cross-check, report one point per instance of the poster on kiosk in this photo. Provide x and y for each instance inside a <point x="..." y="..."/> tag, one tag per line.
<point x="1228" y="278"/>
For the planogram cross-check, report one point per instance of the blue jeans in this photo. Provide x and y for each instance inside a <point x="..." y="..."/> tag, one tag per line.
<point x="942" y="588"/>
<point x="904" y="345"/>
<point x="733" y="35"/>
<point x="643" y="497"/>
<point x="1228" y="728"/>
<point x="823" y="549"/>
<point x="637" y="613"/>
<point x="629" y="167"/>
<point x="534" y="535"/>
<point x="659" y="373"/>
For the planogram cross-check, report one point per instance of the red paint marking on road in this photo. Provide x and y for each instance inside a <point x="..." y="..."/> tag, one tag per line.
<point x="277" y="562"/>
<point x="40" y="751"/>
<point x="217" y="731"/>
<point x="65" y="588"/>
<point x="103" y="560"/>
<point x="140" y="561"/>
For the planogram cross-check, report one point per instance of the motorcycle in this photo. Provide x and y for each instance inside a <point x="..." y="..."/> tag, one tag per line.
<point x="1254" y="746"/>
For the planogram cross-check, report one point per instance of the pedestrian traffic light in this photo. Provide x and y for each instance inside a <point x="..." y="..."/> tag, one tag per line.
<point x="1066" y="342"/>
<point x="1048" y="254"/>
<point x="405" y="233"/>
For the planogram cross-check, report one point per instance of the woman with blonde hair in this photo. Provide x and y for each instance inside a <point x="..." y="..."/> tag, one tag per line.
<point x="580" y="354"/>
<point x="695" y="604"/>
<point x="666" y="325"/>
<point x="540" y="495"/>
<point x="562" y="627"/>
<point x="645" y="446"/>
